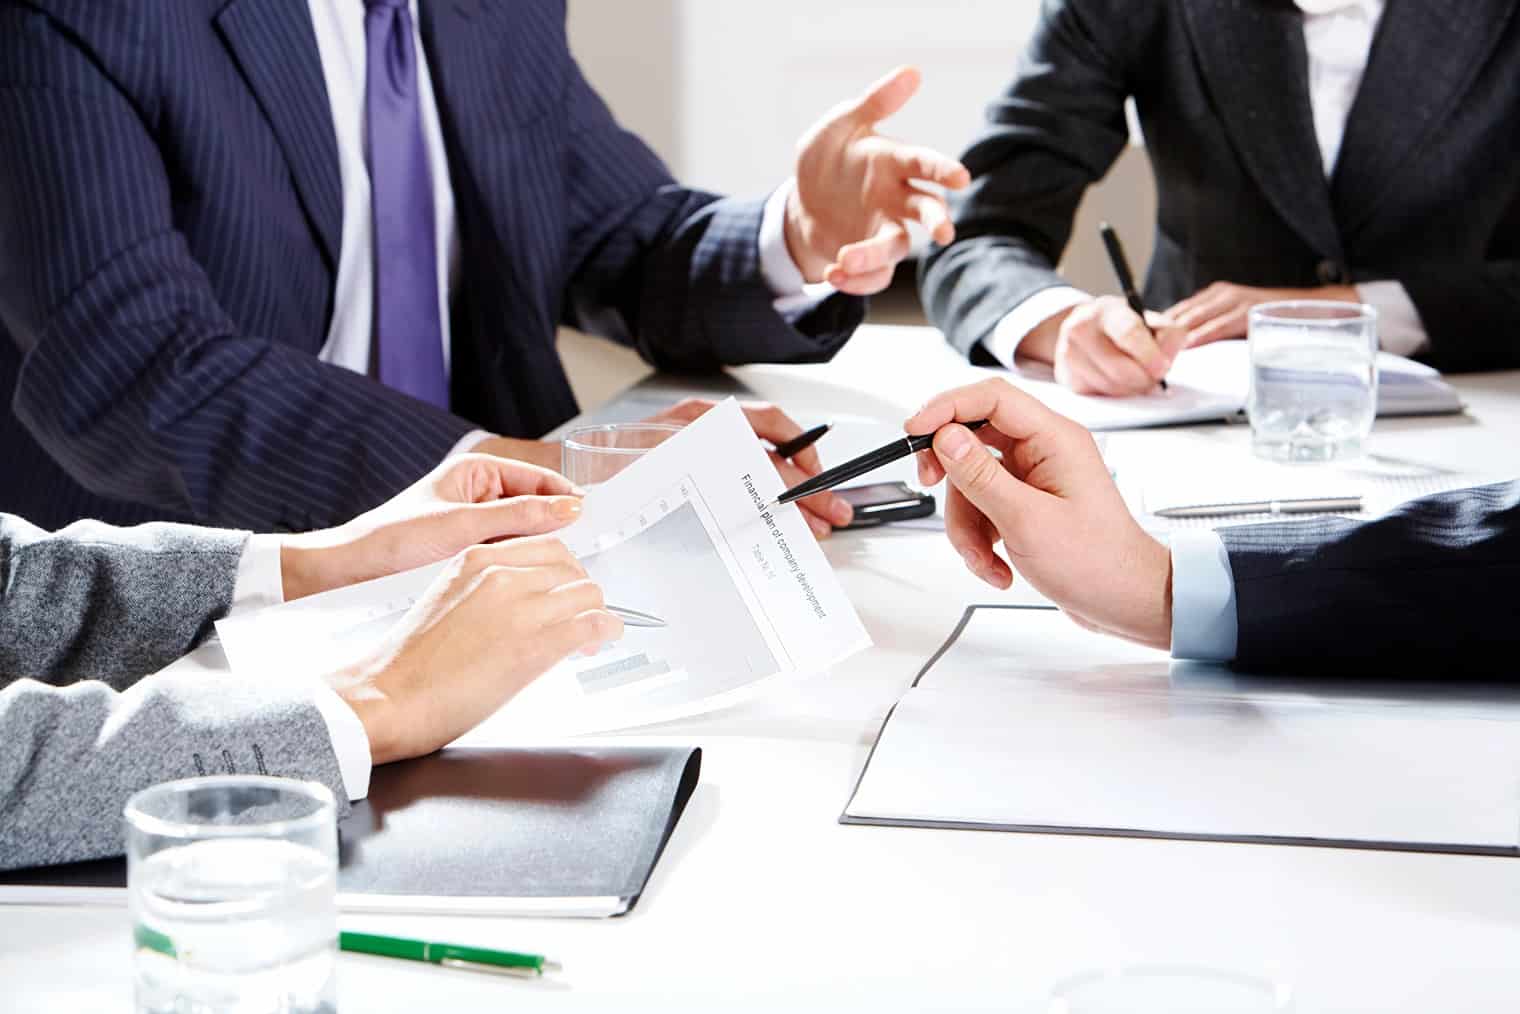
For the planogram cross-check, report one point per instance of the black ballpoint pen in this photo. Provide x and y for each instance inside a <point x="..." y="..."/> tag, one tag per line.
<point x="868" y="462"/>
<point x="795" y="446"/>
<point x="1126" y="279"/>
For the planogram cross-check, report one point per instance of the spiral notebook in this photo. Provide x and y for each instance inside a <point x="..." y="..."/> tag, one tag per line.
<point x="502" y="832"/>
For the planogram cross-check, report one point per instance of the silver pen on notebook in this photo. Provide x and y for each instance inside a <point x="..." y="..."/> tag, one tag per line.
<point x="1306" y="505"/>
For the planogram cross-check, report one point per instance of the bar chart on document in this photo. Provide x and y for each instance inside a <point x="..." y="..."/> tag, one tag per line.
<point x="712" y="647"/>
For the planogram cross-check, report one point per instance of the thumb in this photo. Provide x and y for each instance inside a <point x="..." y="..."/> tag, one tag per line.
<point x="971" y="468"/>
<point x="520" y="515"/>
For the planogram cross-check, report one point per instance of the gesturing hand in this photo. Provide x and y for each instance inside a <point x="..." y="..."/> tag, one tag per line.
<point x="1050" y="501"/>
<point x="845" y="222"/>
<point x="823" y="511"/>
<point x="496" y="619"/>
<point x="468" y="499"/>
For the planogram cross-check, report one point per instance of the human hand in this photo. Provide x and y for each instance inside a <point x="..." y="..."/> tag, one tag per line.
<point x="496" y="619"/>
<point x="1052" y="504"/>
<point x="846" y="219"/>
<point x="1102" y="347"/>
<point x="468" y="499"/>
<point x="823" y="511"/>
<point x="1222" y="310"/>
<point x="543" y="453"/>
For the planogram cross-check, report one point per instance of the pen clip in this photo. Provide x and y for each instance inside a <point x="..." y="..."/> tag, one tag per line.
<point x="513" y="971"/>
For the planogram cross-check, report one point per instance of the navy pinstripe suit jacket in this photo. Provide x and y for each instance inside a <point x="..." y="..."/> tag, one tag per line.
<point x="1426" y="591"/>
<point x="170" y="213"/>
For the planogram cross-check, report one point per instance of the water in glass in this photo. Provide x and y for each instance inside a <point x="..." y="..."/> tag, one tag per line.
<point x="236" y="926"/>
<point x="1313" y="385"/>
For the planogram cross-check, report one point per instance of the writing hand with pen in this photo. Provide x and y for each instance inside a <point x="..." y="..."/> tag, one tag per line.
<point x="1111" y="345"/>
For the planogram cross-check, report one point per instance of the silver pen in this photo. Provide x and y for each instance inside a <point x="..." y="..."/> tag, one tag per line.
<point x="634" y="618"/>
<point x="1308" y="505"/>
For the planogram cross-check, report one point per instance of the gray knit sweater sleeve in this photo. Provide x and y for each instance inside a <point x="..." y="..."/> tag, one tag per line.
<point x="93" y="602"/>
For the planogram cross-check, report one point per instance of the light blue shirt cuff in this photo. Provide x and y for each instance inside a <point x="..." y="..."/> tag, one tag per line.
<point x="1204" y="626"/>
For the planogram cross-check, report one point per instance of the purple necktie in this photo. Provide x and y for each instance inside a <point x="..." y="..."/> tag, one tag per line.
<point x="408" y="332"/>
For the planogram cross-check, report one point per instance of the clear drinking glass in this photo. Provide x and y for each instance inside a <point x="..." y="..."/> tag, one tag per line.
<point x="233" y="887"/>
<point x="1169" y="989"/>
<point x="1313" y="379"/>
<point x="593" y="454"/>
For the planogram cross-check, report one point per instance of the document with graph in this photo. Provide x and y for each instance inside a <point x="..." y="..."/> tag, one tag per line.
<point x="743" y="595"/>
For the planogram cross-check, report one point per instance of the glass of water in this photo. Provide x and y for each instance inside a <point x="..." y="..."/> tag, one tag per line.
<point x="233" y="885"/>
<point x="593" y="454"/>
<point x="1313" y="379"/>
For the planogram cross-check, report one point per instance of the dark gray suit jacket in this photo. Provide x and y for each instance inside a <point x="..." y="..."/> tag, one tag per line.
<point x="1429" y="590"/>
<point x="1425" y="191"/>
<point x="83" y="615"/>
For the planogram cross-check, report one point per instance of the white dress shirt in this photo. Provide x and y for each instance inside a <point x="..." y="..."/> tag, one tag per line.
<point x="1338" y="37"/>
<point x="342" y="46"/>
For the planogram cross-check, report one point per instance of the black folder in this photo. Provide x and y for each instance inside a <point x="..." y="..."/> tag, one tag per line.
<point x="562" y="832"/>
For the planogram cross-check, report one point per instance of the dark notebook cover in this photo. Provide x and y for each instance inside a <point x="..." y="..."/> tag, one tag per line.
<point x="509" y="831"/>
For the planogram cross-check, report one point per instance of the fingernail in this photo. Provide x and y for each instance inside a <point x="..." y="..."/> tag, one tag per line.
<point x="841" y="513"/>
<point x="566" y="509"/>
<point x="973" y="561"/>
<point x="955" y="441"/>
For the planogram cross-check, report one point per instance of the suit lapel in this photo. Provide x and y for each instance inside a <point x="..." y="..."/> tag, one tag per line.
<point x="276" y="48"/>
<point x="1424" y="59"/>
<point x="1252" y="56"/>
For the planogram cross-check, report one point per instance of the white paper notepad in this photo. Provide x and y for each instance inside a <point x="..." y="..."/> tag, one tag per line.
<point x="1125" y="748"/>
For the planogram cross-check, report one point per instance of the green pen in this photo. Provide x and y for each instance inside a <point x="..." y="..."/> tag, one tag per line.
<point x="476" y="959"/>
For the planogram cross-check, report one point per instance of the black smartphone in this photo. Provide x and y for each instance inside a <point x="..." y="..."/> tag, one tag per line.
<point x="882" y="502"/>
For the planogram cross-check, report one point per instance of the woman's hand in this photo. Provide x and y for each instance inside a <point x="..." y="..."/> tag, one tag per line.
<point x="468" y="499"/>
<point x="1103" y="347"/>
<point x="1222" y="311"/>
<point x="496" y="619"/>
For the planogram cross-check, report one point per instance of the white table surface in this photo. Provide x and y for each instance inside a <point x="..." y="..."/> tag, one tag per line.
<point x="764" y="902"/>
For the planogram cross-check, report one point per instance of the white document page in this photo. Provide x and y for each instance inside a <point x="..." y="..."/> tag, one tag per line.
<point x="1211" y="383"/>
<point x="745" y="595"/>
<point x="1008" y="729"/>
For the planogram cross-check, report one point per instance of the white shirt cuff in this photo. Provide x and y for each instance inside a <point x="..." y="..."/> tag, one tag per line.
<point x="349" y="741"/>
<point x="1204" y="625"/>
<point x="794" y="296"/>
<point x="1015" y="326"/>
<point x="1400" y="329"/>
<point x="260" y="582"/>
<point x="468" y="441"/>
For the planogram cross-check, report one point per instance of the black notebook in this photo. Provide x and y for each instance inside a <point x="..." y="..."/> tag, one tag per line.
<point x="513" y="832"/>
